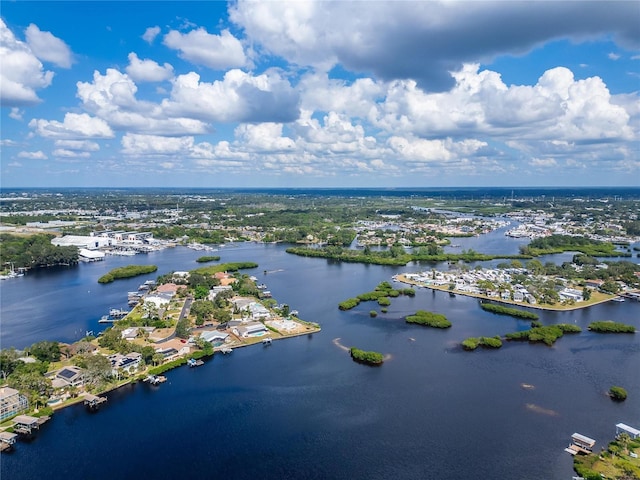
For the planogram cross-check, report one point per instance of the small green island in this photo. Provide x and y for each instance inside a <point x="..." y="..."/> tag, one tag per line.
<point x="608" y="326"/>
<point x="513" y="312"/>
<point x="208" y="258"/>
<point x="127" y="272"/>
<point x="380" y="294"/>
<point x="618" y="394"/>
<point x="544" y="334"/>
<point x="367" y="357"/>
<point x="429" y="319"/>
<point x="472" y="343"/>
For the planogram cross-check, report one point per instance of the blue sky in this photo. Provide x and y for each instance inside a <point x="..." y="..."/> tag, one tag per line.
<point x="319" y="94"/>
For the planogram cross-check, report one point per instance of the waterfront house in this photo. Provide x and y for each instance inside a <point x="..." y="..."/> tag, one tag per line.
<point x="571" y="294"/>
<point x="595" y="283"/>
<point x="12" y="402"/>
<point x="250" y="330"/>
<point x="623" y="428"/>
<point x="70" y="376"/>
<point x="124" y="363"/>
<point x="214" y="336"/>
<point x="259" y="311"/>
<point x="580" y="444"/>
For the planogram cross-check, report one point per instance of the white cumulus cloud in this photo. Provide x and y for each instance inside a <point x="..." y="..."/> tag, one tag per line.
<point x="39" y="155"/>
<point x="148" y="70"/>
<point x="21" y="73"/>
<point x="48" y="47"/>
<point x="202" y="48"/>
<point x="75" y="125"/>
<point x="150" y="34"/>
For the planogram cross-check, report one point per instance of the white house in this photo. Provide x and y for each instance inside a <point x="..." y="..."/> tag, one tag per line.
<point x="250" y="330"/>
<point x="70" y="376"/>
<point x="127" y="363"/>
<point x="12" y="402"/>
<point x="214" y="336"/>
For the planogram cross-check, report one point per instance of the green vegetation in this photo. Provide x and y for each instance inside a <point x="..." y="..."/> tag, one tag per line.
<point x="429" y="319"/>
<point x="208" y="258"/>
<point x="618" y="393"/>
<point x="472" y="343"/>
<point x="611" y="327"/>
<point x="362" y="356"/>
<point x="225" y="267"/>
<point x="614" y="462"/>
<point x="373" y="313"/>
<point x="569" y="243"/>
<point x="381" y="294"/>
<point x="349" y="304"/>
<point x="127" y="272"/>
<point x="513" y="312"/>
<point x="547" y="335"/>
<point x="396" y="255"/>
<point x="34" y="251"/>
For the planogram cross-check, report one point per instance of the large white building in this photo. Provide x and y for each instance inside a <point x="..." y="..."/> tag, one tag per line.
<point x="12" y="402"/>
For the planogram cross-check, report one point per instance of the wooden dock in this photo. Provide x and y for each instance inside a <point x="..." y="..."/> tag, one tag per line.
<point x="7" y="440"/>
<point x="93" y="402"/>
<point x="155" y="379"/>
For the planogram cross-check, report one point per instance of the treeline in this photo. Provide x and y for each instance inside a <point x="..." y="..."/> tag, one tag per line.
<point x="513" y="312"/>
<point x="611" y="327"/>
<point x="34" y="251"/>
<point x="225" y="267"/>
<point x="127" y="272"/>
<point x="568" y="243"/>
<point x="395" y="256"/>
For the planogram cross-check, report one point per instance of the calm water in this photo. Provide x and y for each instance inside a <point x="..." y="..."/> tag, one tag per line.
<point x="302" y="409"/>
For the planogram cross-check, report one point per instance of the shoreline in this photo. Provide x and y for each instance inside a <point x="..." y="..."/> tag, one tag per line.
<point x="562" y="308"/>
<point x="80" y="398"/>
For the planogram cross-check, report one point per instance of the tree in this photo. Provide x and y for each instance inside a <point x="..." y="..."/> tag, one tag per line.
<point x="33" y="384"/>
<point x="97" y="368"/>
<point x="182" y="328"/>
<point x="609" y="286"/>
<point x="201" y="292"/>
<point x="535" y="267"/>
<point x="46" y="351"/>
<point x="586" y="294"/>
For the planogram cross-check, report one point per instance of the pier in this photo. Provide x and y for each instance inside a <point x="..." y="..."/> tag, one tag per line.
<point x="580" y="444"/>
<point x="155" y="379"/>
<point x="192" y="362"/>
<point x="7" y="440"/>
<point x="26" y="424"/>
<point x="93" y="402"/>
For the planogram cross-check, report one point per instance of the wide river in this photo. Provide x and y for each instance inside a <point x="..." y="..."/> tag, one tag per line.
<point x="301" y="409"/>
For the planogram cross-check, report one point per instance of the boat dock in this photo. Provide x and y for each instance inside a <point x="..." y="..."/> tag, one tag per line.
<point x="26" y="424"/>
<point x="93" y="402"/>
<point x="580" y="444"/>
<point x="7" y="440"/>
<point x="155" y="379"/>
<point x="226" y="350"/>
<point x="118" y="313"/>
<point x="192" y="362"/>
